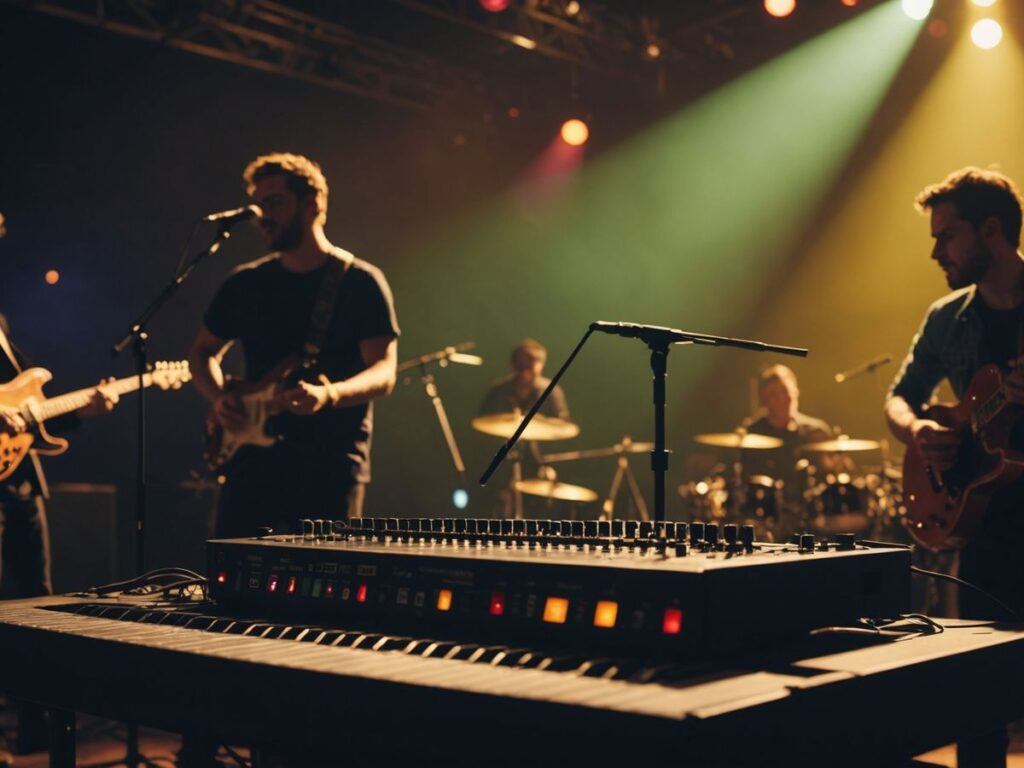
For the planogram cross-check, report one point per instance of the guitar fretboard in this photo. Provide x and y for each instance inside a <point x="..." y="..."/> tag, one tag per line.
<point x="72" y="401"/>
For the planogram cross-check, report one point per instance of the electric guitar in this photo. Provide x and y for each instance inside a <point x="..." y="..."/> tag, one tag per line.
<point x="24" y="396"/>
<point x="945" y="507"/>
<point x="256" y="396"/>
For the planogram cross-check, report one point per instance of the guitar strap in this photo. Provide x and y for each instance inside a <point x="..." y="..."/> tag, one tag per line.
<point x="323" y="306"/>
<point x="5" y="345"/>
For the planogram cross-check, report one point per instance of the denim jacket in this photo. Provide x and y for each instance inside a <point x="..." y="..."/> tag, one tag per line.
<point x="948" y="345"/>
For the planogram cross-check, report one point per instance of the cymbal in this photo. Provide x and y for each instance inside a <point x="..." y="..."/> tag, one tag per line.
<point x="738" y="440"/>
<point x="842" y="445"/>
<point x="552" y="489"/>
<point x="541" y="428"/>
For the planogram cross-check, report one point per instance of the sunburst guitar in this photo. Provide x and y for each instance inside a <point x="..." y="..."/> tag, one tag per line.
<point x="23" y="395"/>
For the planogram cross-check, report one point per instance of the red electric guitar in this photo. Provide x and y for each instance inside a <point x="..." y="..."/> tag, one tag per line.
<point x="944" y="508"/>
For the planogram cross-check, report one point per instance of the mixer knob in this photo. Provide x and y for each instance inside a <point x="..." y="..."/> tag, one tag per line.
<point x="494" y="527"/>
<point x="437" y="525"/>
<point x="403" y="523"/>
<point x="460" y="524"/>
<point x="680" y="548"/>
<point x="590" y="529"/>
<point x="696" y="532"/>
<point x="668" y="530"/>
<point x="471" y="526"/>
<point x="392" y="524"/>
<point x="631" y="529"/>
<point x="681" y="532"/>
<point x="730" y="532"/>
<point x="604" y="528"/>
<point x="618" y="528"/>
<point x="306" y="526"/>
<point x="544" y="527"/>
<point x="506" y="527"/>
<point x="747" y="537"/>
<point x="846" y="541"/>
<point x="711" y="534"/>
<point x="646" y="529"/>
<point x="531" y="527"/>
<point x="806" y="542"/>
<point x="576" y="528"/>
<point x="555" y="527"/>
<point x="414" y="525"/>
<point x="449" y="525"/>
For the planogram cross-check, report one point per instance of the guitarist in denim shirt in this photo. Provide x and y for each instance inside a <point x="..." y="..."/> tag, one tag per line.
<point x="975" y="223"/>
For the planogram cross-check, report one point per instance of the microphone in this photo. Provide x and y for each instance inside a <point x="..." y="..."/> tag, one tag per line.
<point x="867" y="367"/>
<point x="661" y="335"/>
<point x="464" y="359"/>
<point x="235" y="215"/>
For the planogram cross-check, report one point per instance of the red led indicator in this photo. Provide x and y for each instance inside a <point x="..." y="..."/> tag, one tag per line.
<point x="673" y="621"/>
<point x="292" y="583"/>
<point x="361" y="594"/>
<point x="272" y="584"/>
<point x="329" y="592"/>
<point x="497" y="603"/>
<point x="222" y="577"/>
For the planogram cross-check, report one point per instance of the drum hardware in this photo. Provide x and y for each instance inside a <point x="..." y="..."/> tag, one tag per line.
<point x="621" y="450"/>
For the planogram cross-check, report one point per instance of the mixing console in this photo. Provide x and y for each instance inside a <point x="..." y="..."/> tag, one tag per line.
<point x="666" y="588"/>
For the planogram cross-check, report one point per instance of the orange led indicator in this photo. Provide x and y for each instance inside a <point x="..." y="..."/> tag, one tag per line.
<point x="556" y="609"/>
<point x="606" y="613"/>
<point x="673" y="621"/>
<point x="292" y="583"/>
<point x="361" y="594"/>
<point x="444" y="600"/>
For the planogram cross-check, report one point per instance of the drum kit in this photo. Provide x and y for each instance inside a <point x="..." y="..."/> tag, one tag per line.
<point x="546" y="485"/>
<point x="827" y="493"/>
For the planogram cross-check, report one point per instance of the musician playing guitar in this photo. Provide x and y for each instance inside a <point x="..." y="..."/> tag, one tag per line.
<point x="975" y="223"/>
<point x="319" y="322"/>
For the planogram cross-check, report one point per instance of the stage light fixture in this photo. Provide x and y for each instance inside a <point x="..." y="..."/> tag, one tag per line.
<point x="494" y="6"/>
<point x="575" y="132"/>
<point x="984" y="3"/>
<point x="779" y="8"/>
<point x="524" y="42"/>
<point x="917" y="9"/>
<point x="986" y="33"/>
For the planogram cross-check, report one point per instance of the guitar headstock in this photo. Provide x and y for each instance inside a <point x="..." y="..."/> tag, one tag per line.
<point x="170" y="374"/>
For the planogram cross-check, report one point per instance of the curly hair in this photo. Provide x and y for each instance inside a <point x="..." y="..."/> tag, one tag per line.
<point x="978" y="194"/>
<point x="302" y="175"/>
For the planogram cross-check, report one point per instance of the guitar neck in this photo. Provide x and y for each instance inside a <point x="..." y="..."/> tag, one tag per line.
<point x="72" y="401"/>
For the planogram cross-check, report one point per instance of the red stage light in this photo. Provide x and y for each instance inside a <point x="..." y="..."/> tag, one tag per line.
<point x="494" y="6"/>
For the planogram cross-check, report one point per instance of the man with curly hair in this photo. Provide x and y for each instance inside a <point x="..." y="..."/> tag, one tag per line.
<point x="324" y="420"/>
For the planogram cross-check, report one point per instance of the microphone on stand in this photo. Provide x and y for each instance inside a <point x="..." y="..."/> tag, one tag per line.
<point x="234" y="216"/>
<point x="867" y="367"/>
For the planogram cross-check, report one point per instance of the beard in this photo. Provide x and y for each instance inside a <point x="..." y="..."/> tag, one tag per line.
<point x="288" y="236"/>
<point x="973" y="269"/>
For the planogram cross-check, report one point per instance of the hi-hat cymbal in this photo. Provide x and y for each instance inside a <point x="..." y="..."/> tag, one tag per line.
<point x="842" y="445"/>
<point x="738" y="440"/>
<point x="541" y="428"/>
<point x="552" y="489"/>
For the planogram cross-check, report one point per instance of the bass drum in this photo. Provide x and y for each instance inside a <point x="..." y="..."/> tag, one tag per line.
<point x="841" y="504"/>
<point x="757" y="501"/>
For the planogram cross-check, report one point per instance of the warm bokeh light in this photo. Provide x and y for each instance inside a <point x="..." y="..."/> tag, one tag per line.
<point x="556" y="610"/>
<point x="513" y="112"/>
<point x="524" y="42"/>
<point x="780" y="8"/>
<point x="575" y="132"/>
<point x="53" y="277"/>
<point x="653" y="50"/>
<point x="986" y="33"/>
<point x="850" y="3"/>
<point x="984" y="3"/>
<point x="494" y="6"/>
<point x="444" y="600"/>
<point x="605" y="613"/>
<point x="917" y="9"/>
<point x="572" y="8"/>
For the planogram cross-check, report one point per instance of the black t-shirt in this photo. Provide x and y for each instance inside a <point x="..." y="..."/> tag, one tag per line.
<point x="268" y="307"/>
<point x="1003" y="331"/>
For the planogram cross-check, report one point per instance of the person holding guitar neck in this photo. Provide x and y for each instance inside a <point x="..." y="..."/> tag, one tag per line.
<point x="976" y="224"/>
<point x="323" y="418"/>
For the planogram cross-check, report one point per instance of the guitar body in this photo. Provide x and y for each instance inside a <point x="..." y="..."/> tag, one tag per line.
<point x="944" y="508"/>
<point x="21" y="394"/>
<point x="221" y="443"/>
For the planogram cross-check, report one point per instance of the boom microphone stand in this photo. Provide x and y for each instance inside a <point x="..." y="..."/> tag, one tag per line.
<point x="658" y="339"/>
<point x="136" y="338"/>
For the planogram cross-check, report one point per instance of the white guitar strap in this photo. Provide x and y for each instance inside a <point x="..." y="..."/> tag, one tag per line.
<point x="5" y="344"/>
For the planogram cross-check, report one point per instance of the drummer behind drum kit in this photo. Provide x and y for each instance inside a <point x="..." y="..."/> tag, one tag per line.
<point x="839" y="500"/>
<point x="548" y="428"/>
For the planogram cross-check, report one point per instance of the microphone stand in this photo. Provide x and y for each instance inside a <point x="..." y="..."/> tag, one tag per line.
<point x="658" y="339"/>
<point x="442" y="358"/>
<point x="136" y="338"/>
